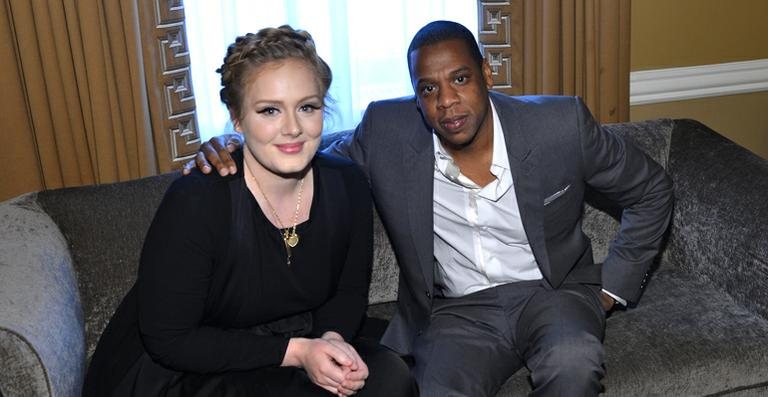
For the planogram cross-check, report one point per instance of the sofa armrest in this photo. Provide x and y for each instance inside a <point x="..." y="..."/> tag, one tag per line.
<point x="42" y="341"/>
<point x="719" y="228"/>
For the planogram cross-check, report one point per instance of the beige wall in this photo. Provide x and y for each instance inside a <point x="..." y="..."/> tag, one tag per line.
<point x="675" y="33"/>
<point x="742" y="118"/>
<point x="671" y="33"/>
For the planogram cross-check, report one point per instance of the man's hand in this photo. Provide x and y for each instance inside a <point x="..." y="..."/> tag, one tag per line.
<point x="215" y="153"/>
<point x="607" y="301"/>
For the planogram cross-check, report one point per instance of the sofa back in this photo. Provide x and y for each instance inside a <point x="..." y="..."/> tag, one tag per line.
<point x="104" y="226"/>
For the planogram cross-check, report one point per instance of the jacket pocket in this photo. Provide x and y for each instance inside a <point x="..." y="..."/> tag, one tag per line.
<point x="556" y="195"/>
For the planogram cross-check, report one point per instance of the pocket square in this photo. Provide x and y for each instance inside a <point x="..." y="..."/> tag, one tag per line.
<point x="557" y="194"/>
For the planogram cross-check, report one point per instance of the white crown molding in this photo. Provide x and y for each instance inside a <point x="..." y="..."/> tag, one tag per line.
<point x="675" y="84"/>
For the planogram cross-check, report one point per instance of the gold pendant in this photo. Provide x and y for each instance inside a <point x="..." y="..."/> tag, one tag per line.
<point x="287" y="249"/>
<point x="292" y="240"/>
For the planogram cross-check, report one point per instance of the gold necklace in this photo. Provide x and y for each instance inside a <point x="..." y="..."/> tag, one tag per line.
<point x="289" y="235"/>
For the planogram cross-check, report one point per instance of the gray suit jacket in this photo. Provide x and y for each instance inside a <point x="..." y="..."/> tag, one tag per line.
<point x="556" y="149"/>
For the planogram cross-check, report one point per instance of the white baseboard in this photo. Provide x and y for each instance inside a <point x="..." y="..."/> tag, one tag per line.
<point x="675" y="84"/>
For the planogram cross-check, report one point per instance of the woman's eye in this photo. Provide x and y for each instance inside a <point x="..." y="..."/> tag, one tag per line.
<point x="270" y="111"/>
<point x="309" y="108"/>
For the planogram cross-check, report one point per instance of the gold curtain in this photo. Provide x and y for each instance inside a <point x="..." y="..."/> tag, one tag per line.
<point x="561" y="47"/>
<point x="84" y="79"/>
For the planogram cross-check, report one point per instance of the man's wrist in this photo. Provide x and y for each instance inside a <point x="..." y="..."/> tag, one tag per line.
<point x="607" y="301"/>
<point x="617" y="299"/>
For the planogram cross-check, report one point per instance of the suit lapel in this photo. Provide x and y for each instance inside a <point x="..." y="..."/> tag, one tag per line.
<point x="418" y="164"/>
<point x="523" y="157"/>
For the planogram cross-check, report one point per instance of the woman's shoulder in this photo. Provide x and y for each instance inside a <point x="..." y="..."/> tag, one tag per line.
<point x="329" y="161"/>
<point x="343" y="178"/>
<point x="197" y="182"/>
<point x="332" y="161"/>
<point x="198" y="191"/>
<point x="346" y="169"/>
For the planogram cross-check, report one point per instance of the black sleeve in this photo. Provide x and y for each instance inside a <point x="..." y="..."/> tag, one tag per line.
<point x="344" y="312"/>
<point x="175" y="274"/>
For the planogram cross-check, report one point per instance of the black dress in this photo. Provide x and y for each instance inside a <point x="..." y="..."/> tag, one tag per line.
<point x="215" y="302"/>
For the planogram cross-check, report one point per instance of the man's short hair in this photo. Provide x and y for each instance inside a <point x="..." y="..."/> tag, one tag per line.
<point x="439" y="31"/>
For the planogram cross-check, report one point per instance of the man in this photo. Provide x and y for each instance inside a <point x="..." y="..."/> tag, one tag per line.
<point x="482" y="198"/>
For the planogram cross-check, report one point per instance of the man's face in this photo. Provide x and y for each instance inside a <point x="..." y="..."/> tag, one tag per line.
<point x="452" y="92"/>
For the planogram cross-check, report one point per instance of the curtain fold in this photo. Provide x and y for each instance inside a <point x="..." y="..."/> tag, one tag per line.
<point x="81" y="67"/>
<point x="561" y="47"/>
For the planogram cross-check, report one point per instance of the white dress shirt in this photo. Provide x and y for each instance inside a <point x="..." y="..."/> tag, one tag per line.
<point x="479" y="239"/>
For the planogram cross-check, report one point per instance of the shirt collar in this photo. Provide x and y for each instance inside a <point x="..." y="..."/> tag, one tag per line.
<point x="499" y="162"/>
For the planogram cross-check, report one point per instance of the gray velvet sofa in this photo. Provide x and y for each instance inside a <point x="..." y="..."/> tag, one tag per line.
<point x="67" y="257"/>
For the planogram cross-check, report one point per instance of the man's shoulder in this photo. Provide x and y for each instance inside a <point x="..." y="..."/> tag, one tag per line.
<point x="408" y="100"/>
<point x="393" y="121"/>
<point x="398" y="107"/>
<point x="553" y="112"/>
<point x="533" y="102"/>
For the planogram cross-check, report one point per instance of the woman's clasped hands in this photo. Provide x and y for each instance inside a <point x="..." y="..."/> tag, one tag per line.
<point x="330" y="362"/>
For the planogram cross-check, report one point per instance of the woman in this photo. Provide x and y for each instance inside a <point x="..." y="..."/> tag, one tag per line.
<point x="254" y="284"/>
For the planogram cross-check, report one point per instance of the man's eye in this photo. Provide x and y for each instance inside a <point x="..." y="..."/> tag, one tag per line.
<point x="461" y="79"/>
<point x="427" y="89"/>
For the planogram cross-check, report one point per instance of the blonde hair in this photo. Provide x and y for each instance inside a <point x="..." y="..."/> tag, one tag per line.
<point x="251" y="51"/>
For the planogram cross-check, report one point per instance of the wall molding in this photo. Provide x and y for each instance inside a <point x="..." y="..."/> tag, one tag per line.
<point x="676" y="84"/>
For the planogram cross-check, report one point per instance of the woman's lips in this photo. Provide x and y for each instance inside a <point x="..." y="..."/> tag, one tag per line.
<point x="290" y="148"/>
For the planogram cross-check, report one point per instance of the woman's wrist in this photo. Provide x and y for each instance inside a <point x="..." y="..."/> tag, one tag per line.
<point x="327" y="335"/>
<point x="297" y="348"/>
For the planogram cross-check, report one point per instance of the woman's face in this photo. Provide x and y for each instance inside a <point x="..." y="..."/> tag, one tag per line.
<point x="282" y="116"/>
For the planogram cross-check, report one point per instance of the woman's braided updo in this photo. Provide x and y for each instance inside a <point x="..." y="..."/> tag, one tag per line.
<point x="251" y="51"/>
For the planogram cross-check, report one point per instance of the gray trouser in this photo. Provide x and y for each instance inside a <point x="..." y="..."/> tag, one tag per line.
<point x="474" y="343"/>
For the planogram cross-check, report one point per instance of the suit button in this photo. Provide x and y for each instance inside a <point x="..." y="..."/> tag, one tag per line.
<point x="429" y="296"/>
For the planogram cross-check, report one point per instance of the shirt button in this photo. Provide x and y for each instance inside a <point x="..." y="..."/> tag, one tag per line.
<point x="429" y="296"/>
